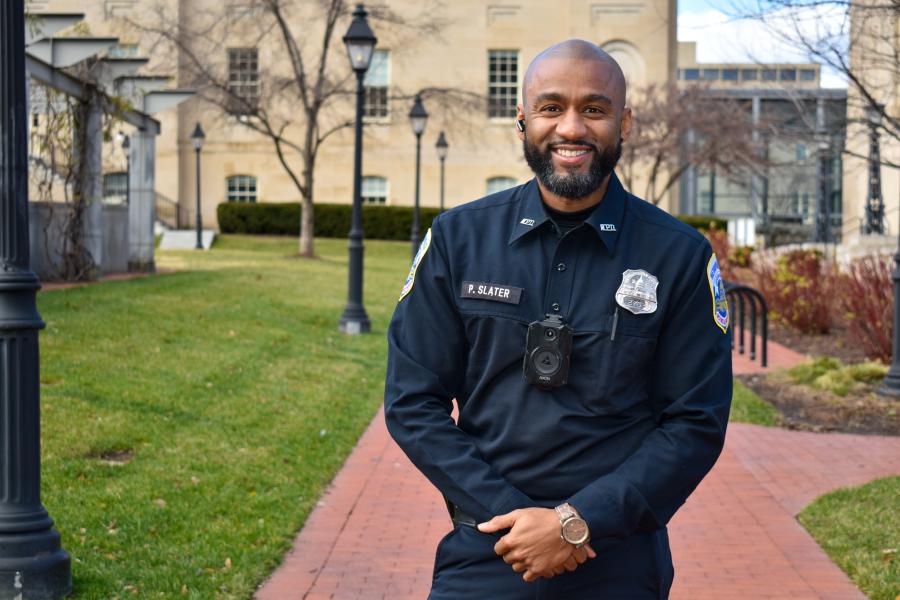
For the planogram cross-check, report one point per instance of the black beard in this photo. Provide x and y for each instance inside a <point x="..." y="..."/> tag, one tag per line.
<point x="572" y="185"/>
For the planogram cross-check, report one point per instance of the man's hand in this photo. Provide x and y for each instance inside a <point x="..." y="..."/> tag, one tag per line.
<point x="533" y="546"/>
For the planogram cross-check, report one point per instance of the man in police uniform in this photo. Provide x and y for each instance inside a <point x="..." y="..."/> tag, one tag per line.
<point x="561" y="490"/>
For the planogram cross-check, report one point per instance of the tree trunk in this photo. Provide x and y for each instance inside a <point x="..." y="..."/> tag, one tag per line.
<point x="307" y="222"/>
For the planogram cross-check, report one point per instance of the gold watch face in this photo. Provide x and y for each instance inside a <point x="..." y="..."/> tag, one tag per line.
<point x="575" y="530"/>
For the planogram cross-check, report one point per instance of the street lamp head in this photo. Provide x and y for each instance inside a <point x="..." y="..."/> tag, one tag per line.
<point x="873" y="114"/>
<point x="442" y="146"/>
<point x="126" y="142"/>
<point x="418" y="117"/>
<point x="197" y="137"/>
<point x="360" y="40"/>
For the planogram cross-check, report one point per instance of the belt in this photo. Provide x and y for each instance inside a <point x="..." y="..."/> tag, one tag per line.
<point x="459" y="517"/>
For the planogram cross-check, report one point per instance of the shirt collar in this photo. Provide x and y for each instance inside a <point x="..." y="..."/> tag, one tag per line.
<point x="606" y="220"/>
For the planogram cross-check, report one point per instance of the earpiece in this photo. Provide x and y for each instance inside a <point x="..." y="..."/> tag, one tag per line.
<point x="520" y="125"/>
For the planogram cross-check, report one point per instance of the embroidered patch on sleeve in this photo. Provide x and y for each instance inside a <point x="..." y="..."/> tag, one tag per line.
<point x="717" y="289"/>
<point x="411" y="278"/>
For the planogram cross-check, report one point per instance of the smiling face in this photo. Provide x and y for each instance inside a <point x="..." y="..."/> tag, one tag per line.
<point x="575" y="121"/>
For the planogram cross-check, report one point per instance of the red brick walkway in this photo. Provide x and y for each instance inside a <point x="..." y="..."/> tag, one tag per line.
<point x="374" y="532"/>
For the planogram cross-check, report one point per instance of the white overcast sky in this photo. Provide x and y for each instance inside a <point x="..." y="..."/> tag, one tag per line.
<point x="722" y="38"/>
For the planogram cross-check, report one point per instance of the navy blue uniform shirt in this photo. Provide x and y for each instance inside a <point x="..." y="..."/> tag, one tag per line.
<point x="642" y="418"/>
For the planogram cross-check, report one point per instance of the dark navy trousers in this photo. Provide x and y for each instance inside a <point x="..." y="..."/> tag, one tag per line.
<point x="639" y="567"/>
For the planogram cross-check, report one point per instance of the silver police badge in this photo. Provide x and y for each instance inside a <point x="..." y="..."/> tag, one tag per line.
<point x="637" y="294"/>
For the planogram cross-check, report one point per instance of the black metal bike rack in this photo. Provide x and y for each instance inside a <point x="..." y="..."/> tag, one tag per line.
<point x="743" y="298"/>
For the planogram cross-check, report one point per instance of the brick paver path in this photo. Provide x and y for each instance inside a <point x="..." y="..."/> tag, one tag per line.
<point x="374" y="533"/>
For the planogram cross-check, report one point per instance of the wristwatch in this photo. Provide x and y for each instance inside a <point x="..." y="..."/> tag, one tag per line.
<point x="572" y="528"/>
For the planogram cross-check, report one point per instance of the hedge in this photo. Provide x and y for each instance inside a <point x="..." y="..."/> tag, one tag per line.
<point x="333" y="220"/>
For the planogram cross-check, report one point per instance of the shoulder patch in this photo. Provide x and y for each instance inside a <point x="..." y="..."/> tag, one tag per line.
<point x="717" y="289"/>
<point x="411" y="277"/>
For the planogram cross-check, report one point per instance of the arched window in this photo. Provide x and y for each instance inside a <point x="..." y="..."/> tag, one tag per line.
<point x="374" y="190"/>
<point x="498" y="184"/>
<point x="115" y="187"/>
<point x="241" y="188"/>
<point x="631" y="61"/>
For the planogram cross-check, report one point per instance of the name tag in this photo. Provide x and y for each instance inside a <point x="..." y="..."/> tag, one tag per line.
<point x="491" y="291"/>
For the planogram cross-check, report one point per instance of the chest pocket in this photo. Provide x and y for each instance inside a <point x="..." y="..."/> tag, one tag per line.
<point x="612" y="374"/>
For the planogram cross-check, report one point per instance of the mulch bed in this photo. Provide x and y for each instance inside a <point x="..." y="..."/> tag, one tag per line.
<point x="805" y="408"/>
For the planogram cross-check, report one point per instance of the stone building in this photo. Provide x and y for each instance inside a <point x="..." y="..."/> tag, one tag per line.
<point x="480" y="47"/>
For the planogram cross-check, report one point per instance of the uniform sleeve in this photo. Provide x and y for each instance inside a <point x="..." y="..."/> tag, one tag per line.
<point x="427" y="352"/>
<point x="691" y="391"/>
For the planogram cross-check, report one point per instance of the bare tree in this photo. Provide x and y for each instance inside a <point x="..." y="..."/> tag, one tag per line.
<point x="678" y="128"/>
<point x="859" y="39"/>
<point x="306" y="97"/>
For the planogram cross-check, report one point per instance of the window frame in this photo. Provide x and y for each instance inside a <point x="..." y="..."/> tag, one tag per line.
<point x="377" y="97"/>
<point x="373" y="199"/>
<point x="242" y="194"/>
<point x="241" y="103"/>
<point x="502" y="93"/>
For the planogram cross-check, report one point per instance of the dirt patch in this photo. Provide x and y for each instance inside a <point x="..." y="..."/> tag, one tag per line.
<point x="837" y="343"/>
<point x="114" y="458"/>
<point x="806" y="408"/>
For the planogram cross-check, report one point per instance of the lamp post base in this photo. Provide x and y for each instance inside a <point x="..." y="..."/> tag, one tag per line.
<point x="34" y="565"/>
<point x="891" y="384"/>
<point x="354" y="321"/>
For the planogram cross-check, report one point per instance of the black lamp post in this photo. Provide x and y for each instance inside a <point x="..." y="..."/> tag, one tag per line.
<point x="823" y="195"/>
<point x="32" y="561"/>
<point x="125" y="142"/>
<point x="875" y="201"/>
<point x="360" y="42"/>
<point x="197" y="140"/>
<point x="891" y="384"/>
<point x="418" y="119"/>
<point x="442" y="147"/>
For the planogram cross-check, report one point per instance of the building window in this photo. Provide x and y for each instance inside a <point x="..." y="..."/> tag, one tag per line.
<point x="769" y="74"/>
<point x="377" y="82"/>
<point x="123" y="51"/>
<point x="374" y="190"/>
<point x="243" y="80"/>
<point x="498" y="184"/>
<point x="807" y="74"/>
<point x="503" y="82"/>
<point x="115" y="187"/>
<point x="730" y="74"/>
<point x="789" y="74"/>
<point x="710" y="74"/>
<point x="800" y="152"/>
<point x="749" y="74"/>
<point x="691" y="74"/>
<point x="241" y="188"/>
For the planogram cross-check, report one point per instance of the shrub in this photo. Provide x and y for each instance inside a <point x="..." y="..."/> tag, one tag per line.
<point x="799" y="290"/>
<point x="867" y="306"/>
<point x="827" y="373"/>
<point x="332" y="220"/>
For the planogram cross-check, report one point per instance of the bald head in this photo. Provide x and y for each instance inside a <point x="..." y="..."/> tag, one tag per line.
<point x="577" y="55"/>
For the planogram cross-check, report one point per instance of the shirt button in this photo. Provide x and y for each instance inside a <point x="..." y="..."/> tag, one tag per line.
<point x="561" y="267"/>
<point x="555" y="307"/>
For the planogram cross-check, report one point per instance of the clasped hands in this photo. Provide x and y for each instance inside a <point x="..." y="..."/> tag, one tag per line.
<point x="533" y="545"/>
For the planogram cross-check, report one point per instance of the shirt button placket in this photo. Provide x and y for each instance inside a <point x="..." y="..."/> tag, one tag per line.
<point x="559" y="289"/>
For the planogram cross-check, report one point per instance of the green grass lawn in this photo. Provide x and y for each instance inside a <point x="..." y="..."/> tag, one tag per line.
<point x="859" y="528"/>
<point x="747" y="407"/>
<point x="192" y="420"/>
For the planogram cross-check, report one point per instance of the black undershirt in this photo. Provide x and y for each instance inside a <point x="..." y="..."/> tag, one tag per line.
<point x="567" y="221"/>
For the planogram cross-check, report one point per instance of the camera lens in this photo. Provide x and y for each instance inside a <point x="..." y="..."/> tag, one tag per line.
<point x="550" y="334"/>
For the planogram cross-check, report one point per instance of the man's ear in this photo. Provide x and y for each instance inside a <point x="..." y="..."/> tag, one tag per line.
<point x="625" y="124"/>
<point x="520" y="116"/>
